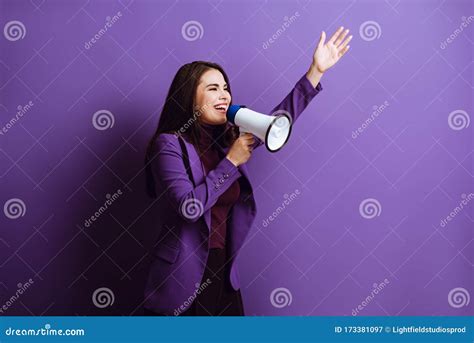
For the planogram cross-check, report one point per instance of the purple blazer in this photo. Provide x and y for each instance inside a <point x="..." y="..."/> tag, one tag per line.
<point x="180" y="255"/>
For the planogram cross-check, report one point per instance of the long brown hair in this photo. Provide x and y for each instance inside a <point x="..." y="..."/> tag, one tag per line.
<point x="179" y="111"/>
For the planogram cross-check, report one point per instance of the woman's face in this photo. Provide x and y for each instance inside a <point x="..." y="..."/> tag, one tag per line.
<point x="212" y="98"/>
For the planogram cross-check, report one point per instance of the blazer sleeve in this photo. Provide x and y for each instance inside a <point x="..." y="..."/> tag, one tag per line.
<point x="169" y="170"/>
<point x="296" y="101"/>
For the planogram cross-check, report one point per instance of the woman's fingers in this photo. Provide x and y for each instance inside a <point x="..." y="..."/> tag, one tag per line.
<point x="343" y="45"/>
<point x="250" y="142"/>
<point x="335" y="35"/>
<point x="343" y="51"/>
<point x="341" y="37"/>
<point x="322" y="39"/>
<point x="247" y="138"/>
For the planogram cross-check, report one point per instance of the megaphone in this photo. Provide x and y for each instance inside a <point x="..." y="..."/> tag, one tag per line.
<point x="274" y="130"/>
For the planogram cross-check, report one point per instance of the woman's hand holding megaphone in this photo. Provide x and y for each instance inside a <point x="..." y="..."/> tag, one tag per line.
<point x="241" y="149"/>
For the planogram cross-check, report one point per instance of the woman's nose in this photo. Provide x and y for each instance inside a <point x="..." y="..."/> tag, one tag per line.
<point x="223" y="95"/>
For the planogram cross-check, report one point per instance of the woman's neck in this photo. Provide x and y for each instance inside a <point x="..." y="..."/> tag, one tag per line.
<point x="209" y="134"/>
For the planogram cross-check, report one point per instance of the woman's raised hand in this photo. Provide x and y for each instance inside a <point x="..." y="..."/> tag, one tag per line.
<point x="329" y="53"/>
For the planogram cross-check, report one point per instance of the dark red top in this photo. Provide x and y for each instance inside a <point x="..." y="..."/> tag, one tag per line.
<point x="221" y="209"/>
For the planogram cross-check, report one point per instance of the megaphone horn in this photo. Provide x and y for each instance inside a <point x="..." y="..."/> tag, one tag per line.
<point x="274" y="130"/>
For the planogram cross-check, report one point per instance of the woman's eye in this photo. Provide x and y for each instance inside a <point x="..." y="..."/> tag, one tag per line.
<point x="214" y="89"/>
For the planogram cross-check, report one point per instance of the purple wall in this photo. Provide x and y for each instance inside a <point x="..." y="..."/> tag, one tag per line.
<point x="391" y="126"/>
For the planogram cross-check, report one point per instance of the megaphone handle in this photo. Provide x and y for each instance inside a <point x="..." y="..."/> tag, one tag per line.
<point x="242" y="131"/>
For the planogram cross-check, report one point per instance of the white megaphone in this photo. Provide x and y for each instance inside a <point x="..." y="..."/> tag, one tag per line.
<point x="274" y="130"/>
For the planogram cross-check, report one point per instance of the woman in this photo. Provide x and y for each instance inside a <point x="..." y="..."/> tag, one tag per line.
<point x="196" y="169"/>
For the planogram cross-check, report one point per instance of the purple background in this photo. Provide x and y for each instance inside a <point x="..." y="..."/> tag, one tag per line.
<point x="320" y="248"/>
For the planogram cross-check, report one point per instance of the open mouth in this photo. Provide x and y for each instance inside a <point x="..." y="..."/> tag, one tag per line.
<point x="222" y="108"/>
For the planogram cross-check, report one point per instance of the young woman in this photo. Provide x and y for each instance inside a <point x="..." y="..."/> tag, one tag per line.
<point x="196" y="168"/>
